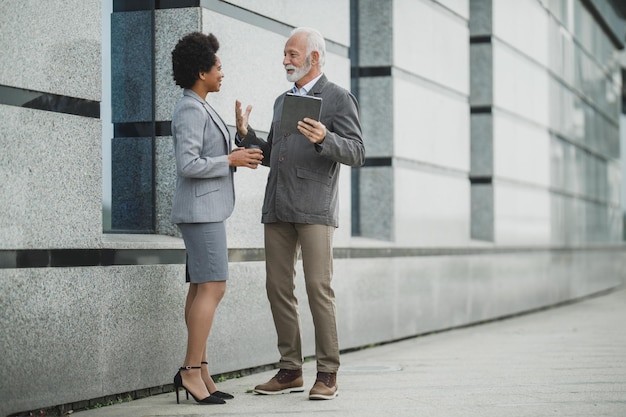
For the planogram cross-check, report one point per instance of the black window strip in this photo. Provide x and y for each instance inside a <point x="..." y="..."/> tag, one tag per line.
<point x="142" y="129"/>
<point x="145" y="5"/>
<point x="133" y="130"/>
<point x="378" y="162"/>
<point x="480" y="110"/>
<point x="163" y="128"/>
<point x="35" y="258"/>
<point x="38" y="100"/>
<point x="176" y="4"/>
<point x="480" y="180"/>
<point x="64" y="258"/>
<point x="624" y="89"/>
<point x="372" y="71"/>
<point x="131" y="5"/>
<point x="480" y="39"/>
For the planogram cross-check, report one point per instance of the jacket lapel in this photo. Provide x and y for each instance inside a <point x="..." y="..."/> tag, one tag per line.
<point x="317" y="88"/>
<point x="219" y="122"/>
<point x="214" y="116"/>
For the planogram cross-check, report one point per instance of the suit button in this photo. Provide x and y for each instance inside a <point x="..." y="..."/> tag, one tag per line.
<point x="281" y="159"/>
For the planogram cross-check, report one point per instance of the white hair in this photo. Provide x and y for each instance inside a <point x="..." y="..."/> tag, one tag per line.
<point x="314" y="42"/>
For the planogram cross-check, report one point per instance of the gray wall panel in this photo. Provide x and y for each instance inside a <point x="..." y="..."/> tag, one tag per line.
<point x="51" y="193"/>
<point x="52" y="46"/>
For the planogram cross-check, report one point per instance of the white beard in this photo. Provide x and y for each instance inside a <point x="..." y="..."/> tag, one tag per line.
<point x="298" y="73"/>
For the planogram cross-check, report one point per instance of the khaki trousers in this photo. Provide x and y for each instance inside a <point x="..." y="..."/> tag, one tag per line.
<point x="282" y="241"/>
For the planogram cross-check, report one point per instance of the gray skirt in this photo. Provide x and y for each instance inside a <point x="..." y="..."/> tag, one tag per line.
<point x="207" y="251"/>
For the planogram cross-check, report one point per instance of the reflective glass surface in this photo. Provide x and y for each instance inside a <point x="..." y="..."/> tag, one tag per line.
<point x="132" y="185"/>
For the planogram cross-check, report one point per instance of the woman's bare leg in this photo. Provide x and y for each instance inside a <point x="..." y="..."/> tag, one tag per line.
<point x="202" y="301"/>
<point x="206" y="375"/>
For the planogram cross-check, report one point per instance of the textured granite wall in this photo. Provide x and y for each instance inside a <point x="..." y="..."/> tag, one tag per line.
<point x="81" y="333"/>
<point x="50" y="163"/>
<point x="52" y="49"/>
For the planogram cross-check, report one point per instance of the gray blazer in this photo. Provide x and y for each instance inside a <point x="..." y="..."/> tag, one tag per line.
<point x="302" y="185"/>
<point x="204" y="184"/>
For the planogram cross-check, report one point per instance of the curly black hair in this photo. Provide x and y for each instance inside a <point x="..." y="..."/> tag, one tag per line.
<point x="194" y="53"/>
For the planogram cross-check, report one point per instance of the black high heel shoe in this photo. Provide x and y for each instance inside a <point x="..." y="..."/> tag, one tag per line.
<point x="219" y="394"/>
<point x="178" y="383"/>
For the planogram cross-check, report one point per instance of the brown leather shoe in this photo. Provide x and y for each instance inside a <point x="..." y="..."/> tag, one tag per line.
<point x="284" y="382"/>
<point x="325" y="387"/>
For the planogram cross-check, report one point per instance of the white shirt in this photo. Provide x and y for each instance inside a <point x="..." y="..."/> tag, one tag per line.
<point x="307" y="87"/>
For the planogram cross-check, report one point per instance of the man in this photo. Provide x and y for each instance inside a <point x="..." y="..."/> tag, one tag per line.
<point x="300" y="211"/>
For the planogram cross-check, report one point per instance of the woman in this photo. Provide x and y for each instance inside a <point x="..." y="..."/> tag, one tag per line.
<point x="203" y="199"/>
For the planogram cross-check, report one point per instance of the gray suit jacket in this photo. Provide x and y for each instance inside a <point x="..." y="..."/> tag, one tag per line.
<point x="204" y="184"/>
<point x="302" y="186"/>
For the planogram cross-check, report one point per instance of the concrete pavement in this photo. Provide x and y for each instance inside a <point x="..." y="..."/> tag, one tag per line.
<point x="565" y="361"/>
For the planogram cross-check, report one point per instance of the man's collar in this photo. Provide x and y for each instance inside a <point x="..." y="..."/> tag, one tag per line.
<point x="307" y="87"/>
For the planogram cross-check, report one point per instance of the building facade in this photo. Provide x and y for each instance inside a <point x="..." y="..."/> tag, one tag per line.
<point x="492" y="184"/>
